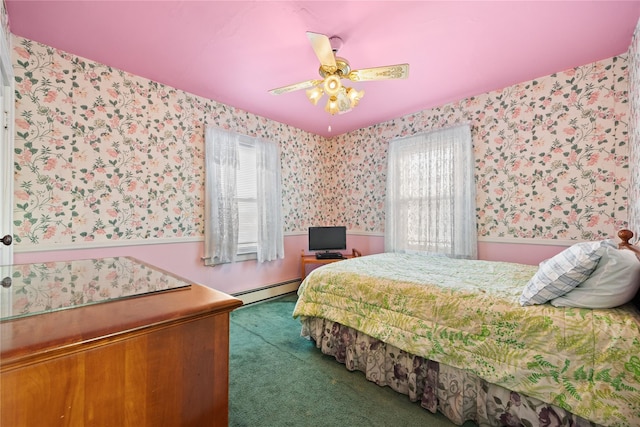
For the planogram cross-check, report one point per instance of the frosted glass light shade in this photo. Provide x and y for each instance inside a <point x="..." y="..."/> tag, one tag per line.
<point x="332" y="105"/>
<point x="332" y="85"/>
<point x="314" y="95"/>
<point x="354" y="96"/>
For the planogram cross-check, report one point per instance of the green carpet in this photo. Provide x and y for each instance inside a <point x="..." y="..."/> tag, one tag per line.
<point x="277" y="378"/>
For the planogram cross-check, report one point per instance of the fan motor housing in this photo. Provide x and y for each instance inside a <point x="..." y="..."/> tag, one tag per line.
<point x="343" y="68"/>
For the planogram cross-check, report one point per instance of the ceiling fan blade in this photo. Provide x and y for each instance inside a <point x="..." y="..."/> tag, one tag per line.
<point x="398" y="71"/>
<point x="295" y="86"/>
<point x="322" y="47"/>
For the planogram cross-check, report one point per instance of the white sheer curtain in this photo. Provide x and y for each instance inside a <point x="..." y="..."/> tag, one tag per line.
<point x="430" y="200"/>
<point x="221" y="209"/>
<point x="270" y="223"/>
<point x="223" y="220"/>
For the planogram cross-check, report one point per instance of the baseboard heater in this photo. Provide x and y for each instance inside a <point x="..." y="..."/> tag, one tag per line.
<point x="268" y="292"/>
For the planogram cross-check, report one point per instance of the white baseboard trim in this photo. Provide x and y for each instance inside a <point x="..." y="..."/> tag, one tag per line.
<point x="269" y="292"/>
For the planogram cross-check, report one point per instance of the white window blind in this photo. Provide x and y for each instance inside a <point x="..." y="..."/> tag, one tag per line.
<point x="243" y="199"/>
<point x="247" y="199"/>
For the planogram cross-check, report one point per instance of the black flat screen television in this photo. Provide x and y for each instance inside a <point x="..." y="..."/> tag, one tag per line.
<point x="332" y="238"/>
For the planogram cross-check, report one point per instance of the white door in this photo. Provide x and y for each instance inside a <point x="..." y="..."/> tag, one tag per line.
<point x="6" y="177"/>
<point x="6" y="150"/>
<point x="6" y="188"/>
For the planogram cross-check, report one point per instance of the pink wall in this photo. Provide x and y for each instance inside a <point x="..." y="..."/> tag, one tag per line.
<point x="243" y="276"/>
<point x="512" y="252"/>
<point x="154" y="204"/>
<point x="229" y="278"/>
<point x="531" y="254"/>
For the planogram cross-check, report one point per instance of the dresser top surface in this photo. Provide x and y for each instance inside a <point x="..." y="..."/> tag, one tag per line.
<point x="136" y="297"/>
<point x="40" y="288"/>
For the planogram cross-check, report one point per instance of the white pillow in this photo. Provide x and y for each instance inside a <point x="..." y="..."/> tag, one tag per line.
<point x="614" y="282"/>
<point x="560" y="274"/>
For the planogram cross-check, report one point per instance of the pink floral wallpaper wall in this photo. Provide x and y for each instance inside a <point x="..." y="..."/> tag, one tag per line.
<point x="551" y="157"/>
<point x="634" y="133"/>
<point x="103" y="155"/>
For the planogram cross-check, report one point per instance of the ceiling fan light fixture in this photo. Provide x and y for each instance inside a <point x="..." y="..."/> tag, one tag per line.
<point x="315" y="94"/>
<point x="354" y="96"/>
<point x="333" y="69"/>
<point x="344" y="105"/>
<point x="332" y="85"/>
<point x="332" y="105"/>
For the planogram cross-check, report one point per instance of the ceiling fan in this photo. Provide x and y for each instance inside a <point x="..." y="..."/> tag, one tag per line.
<point x="332" y="70"/>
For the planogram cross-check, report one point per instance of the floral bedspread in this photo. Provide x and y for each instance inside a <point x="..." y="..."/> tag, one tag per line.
<point x="584" y="361"/>
<point x="457" y="393"/>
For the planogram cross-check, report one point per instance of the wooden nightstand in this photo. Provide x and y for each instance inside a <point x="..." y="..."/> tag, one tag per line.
<point x="311" y="259"/>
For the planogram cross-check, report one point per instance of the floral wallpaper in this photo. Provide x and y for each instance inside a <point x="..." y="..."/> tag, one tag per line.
<point x="103" y="155"/>
<point x="301" y="160"/>
<point x="634" y="134"/>
<point x="551" y="157"/>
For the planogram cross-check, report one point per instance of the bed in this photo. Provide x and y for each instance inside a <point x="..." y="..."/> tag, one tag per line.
<point x="496" y="343"/>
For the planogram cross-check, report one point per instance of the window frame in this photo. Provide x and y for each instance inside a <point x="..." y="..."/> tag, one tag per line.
<point x="247" y="250"/>
<point x="435" y="166"/>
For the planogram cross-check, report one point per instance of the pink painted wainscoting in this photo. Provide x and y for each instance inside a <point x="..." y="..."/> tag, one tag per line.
<point x="521" y="253"/>
<point x="184" y="259"/>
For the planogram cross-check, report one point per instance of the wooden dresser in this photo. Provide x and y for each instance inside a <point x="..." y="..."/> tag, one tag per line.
<point x="124" y="345"/>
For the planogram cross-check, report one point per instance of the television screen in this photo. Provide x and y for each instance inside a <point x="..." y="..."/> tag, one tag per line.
<point x="327" y="238"/>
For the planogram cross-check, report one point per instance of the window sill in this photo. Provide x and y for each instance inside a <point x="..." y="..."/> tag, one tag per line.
<point x="208" y="262"/>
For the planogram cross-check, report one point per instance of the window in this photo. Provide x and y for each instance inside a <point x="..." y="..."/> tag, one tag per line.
<point x="247" y="199"/>
<point x="243" y="199"/>
<point x="430" y="203"/>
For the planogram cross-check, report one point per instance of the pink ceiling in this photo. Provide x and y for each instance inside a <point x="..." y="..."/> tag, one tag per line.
<point x="235" y="51"/>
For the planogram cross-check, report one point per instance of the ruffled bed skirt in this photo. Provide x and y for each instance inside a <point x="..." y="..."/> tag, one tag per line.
<point x="458" y="394"/>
